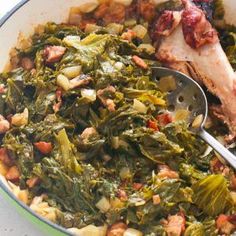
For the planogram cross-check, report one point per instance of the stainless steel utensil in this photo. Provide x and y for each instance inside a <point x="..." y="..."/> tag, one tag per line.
<point x="188" y="95"/>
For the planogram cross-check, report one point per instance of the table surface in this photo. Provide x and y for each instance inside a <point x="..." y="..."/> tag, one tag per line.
<point x="12" y="223"/>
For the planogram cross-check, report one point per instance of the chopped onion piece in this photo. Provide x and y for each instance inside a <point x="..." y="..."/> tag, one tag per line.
<point x="147" y="47"/>
<point x="89" y="6"/>
<point x="103" y="204"/>
<point x="197" y="122"/>
<point x="139" y="106"/>
<point x="123" y="2"/>
<point x="89" y="94"/>
<point x="63" y="82"/>
<point x="118" y="65"/>
<point x="72" y="40"/>
<point x="132" y="232"/>
<point x="72" y="71"/>
<point x="114" y="28"/>
<point x="20" y="119"/>
<point x="91" y="28"/>
<point x="140" y="31"/>
<point x="115" y="142"/>
<point x="89" y="230"/>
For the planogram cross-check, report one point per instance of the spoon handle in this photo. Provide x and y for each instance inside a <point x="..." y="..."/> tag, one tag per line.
<point x="224" y="152"/>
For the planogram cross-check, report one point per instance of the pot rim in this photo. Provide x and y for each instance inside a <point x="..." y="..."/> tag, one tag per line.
<point x="3" y="20"/>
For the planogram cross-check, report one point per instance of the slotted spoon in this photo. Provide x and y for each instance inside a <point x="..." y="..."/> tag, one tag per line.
<point x="189" y="96"/>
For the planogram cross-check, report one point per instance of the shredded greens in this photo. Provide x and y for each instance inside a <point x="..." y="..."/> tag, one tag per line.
<point x="98" y="143"/>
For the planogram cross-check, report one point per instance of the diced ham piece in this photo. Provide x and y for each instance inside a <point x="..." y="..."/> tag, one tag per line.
<point x="101" y="11"/>
<point x="175" y="225"/>
<point x="156" y="199"/>
<point x="166" y="23"/>
<point x="129" y="35"/>
<point x="2" y="89"/>
<point x="166" y="172"/>
<point x="224" y="225"/>
<point x="53" y="54"/>
<point x="27" y="63"/>
<point x="87" y="133"/>
<point x="140" y="62"/>
<point x="107" y="102"/>
<point x="208" y="61"/>
<point x="164" y="119"/>
<point x="4" y="125"/>
<point x="196" y="28"/>
<point x="117" y="229"/>
<point x="32" y="182"/>
<point x="146" y="8"/>
<point x="115" y="14"/>
<point x="137" y="186"/>
<point x="122" y="195"/>
<point x="4" y="157"/>
<point x="44" y="147"/>
<point x="13" y="174"/>
<point x="79" y="81"/>
<point x="110" y="12"/>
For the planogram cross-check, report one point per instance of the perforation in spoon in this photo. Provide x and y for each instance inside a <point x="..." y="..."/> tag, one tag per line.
<point x="171" y="108"/>
<point x="180" y="99"/>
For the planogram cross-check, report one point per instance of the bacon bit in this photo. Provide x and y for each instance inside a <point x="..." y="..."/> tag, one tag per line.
<point x="137" y="186"/>
<point x="53" y="53"/>
<point x="175" y="225"/>
<point x="156" y="199"/>
<point x="147" y="10"/>
<point x="44" y="147"/>
<point x="129" y="35"/>
<point x="13" y="174"/>
<point x="122" y="195"/>
<point x="117" y="229"/>
<point x="2" y="89"/>
<point x="107" y="102"/>
<point x="166" y="23"/>
<point x="4" y="157"/>
<point x="166" y="172"/>
<point x="4" y="125"/>
<point x="32" y="182"/>
<point x="224" y="225"/>
<point x="101" y="11"/>
<point x="27" y="63"/>
<point x="196" y="28"/>
<point x="139" y="62"/>
<point x="152" y="125"/>
<point x="116" y="13"/>
<point x="164" y="119"/>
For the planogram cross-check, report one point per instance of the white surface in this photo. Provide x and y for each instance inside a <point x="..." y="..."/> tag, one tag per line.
<point x="12" y="223"/>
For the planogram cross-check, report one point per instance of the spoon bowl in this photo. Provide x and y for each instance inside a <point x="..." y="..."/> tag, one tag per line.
<point x="189" y="96"/>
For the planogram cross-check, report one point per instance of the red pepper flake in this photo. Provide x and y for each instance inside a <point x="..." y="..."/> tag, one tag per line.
<point x="152" y="125"/>
<point x="139" y="62"/>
